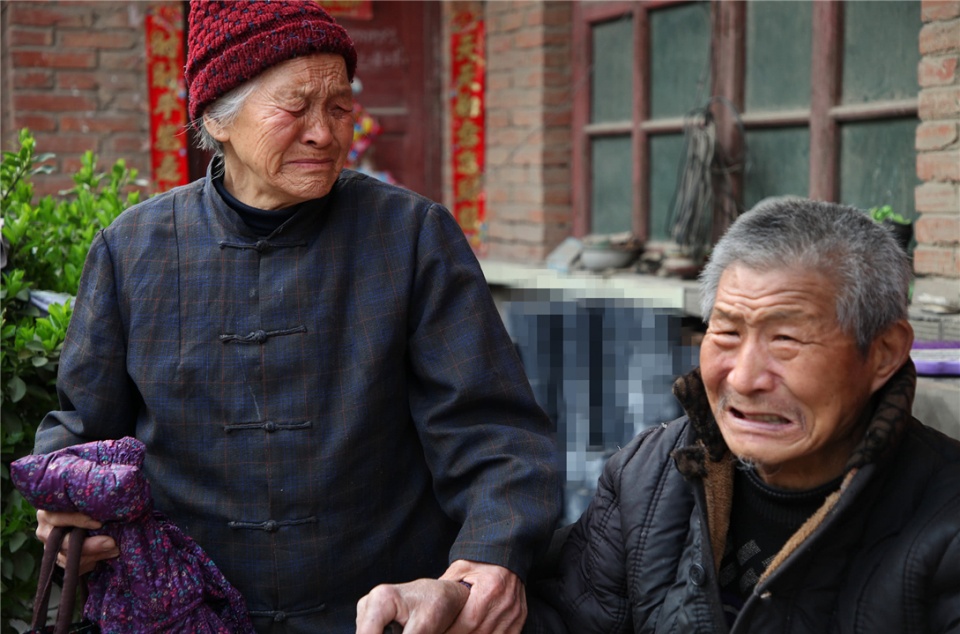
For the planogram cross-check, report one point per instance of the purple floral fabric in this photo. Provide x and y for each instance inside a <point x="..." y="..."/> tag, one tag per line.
<point x="162" y="581"/>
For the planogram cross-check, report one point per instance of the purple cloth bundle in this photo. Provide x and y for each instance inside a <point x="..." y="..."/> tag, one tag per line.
<point x="162" y="581"/>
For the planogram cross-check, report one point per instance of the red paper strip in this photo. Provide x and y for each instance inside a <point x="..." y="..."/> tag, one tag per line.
<point x="467" y="105"/>
<point x="168" y="96"/>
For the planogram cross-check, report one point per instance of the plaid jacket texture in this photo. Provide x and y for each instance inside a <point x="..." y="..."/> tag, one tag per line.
<point x="331" y="407"/>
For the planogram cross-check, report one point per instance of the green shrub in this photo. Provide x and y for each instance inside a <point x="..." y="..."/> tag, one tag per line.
<point x="45" y="244"/>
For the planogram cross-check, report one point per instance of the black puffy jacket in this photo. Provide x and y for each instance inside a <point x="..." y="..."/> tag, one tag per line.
<point x="881" y="555"/>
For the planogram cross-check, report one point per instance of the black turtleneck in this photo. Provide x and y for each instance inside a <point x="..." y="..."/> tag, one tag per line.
<point x="762" y="519"/>
<point x="261" y="221"/>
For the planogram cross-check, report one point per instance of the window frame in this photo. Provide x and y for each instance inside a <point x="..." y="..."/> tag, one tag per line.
<point x="823" y="118"/>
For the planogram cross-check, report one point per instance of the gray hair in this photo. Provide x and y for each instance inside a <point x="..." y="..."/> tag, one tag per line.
<point x="224" y="111"/>
<point x="871" y="270"/>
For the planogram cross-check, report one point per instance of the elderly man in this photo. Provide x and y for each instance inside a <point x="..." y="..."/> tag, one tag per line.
<point x="797" y="494"/>
<point x="327" y="395"/>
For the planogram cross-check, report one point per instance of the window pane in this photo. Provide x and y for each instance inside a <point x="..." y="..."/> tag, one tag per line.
<point x="778" y="55"/>
<point x="611" y="97"/>
<point x="666" y="152"/>
<point x="880" y="50"/>
<point x="778" y="164"/>
<point x="878" y="164"/>
<point x="611" y="201"/>
<point x="680" y="53"/>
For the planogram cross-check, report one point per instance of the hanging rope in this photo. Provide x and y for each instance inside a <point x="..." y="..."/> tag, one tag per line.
<point x="704" y="194"/>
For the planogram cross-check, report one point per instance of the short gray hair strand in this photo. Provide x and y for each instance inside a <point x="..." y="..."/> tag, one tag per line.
<point x="871" y="270"/>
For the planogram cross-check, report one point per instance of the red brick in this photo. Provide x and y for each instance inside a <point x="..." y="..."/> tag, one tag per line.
<point x="558" y="14"/>
<point x="530" y="38"/>
<point x="36" y="122"/>
<point x="103" y="122"/>
<point x="31" y="14"/>
<point x="98" y="39"/>
<point x="937" y="198"/>
<point x="123" y="60"/>
<point x="497" y="119"/>
<point x="45" y="59"/>
<point x="526" y="232"/>
<point x="40" y="102"/>
<point x="30" y="37"/>
<point x="32" y="78"/>
<point x="939" y="103"/>
<point x="123" y="15"/>
<point x="72" y="164"/>
<point x="126" y="102"/>
<point x="53" y="184"/>
<point x="933" y="260"/>
<point x="558" y="118"/>
<point x="936" y="135"/>
<point x="514" y="252"/>
<point x="938" y="166"/>
<point x="939" y="10"/>
<point x="937" y="71"/>
<point x="556" y="96"/>
<point x="79" y="80"/>
<point x="940" y="37"/>
<point x="127" y="144"/>
<point x="62" y="143"/>
<point x="509" y="22"/>
<point x="557" y="195"/>
<point x="939" y="230"/>
<point x="498" y="43"/>
<point x="498" y="81"/>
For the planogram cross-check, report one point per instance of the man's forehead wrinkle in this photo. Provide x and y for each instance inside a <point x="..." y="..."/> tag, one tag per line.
<point x="771" y="314"/>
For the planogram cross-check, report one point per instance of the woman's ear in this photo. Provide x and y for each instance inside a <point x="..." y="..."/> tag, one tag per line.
<point x="215" y="130"/>
<point x="889" y="351"/>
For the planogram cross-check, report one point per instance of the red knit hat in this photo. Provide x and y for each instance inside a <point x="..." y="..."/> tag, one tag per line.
<point x="231" y="42"/>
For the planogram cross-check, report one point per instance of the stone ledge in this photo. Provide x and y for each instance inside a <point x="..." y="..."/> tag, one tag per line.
<point x="937" y="404"/>
<point x="653" y="291"/>
<point x="933" y="327"/>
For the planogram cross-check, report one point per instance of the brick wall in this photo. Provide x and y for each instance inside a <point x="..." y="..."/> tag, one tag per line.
<point x="528" y="101"/>
<point x="75" y="74"/>
<point x="937" y="257"/>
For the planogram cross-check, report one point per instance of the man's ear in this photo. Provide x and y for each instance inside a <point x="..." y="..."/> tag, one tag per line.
<point x="889" y="351"/>
<point x="216" y="130"/>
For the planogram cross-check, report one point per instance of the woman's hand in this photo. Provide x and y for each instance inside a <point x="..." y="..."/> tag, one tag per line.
<point x="95" y="548"/>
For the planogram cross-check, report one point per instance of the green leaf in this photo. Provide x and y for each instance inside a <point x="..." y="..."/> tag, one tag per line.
<point x="17" y="388"/>
<point x="16" y="541"/>
<point x="23" y="566"/>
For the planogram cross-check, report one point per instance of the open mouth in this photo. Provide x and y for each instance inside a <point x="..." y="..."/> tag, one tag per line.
<point x="771" y="419"/>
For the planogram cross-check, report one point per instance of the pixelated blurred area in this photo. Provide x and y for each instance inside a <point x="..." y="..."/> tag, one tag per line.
<point x="602" y="369"/>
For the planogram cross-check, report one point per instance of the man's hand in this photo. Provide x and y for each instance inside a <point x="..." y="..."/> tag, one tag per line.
<point x="94" y="548"/>
<point x="497" y="603"/>
<point x="424" y="606"/>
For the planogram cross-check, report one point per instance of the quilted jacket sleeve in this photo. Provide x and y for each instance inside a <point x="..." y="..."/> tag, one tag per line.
<point x="587" y="590"/>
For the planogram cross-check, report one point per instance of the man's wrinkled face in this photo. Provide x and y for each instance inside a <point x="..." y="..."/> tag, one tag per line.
<point x="291" y="138"/>
<point x="787" y="386"/>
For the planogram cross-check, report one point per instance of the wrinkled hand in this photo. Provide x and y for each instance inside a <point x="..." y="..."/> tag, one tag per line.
<point x="95" y="548"/>
<point x="497" y="603"/>
<point x="424" y="606"/>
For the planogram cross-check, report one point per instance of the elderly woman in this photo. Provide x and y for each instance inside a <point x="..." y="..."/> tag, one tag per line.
<point x="327" y="395"/>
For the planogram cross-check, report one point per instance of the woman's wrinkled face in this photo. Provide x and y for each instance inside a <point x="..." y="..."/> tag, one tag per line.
<point x="292" y="135"/>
